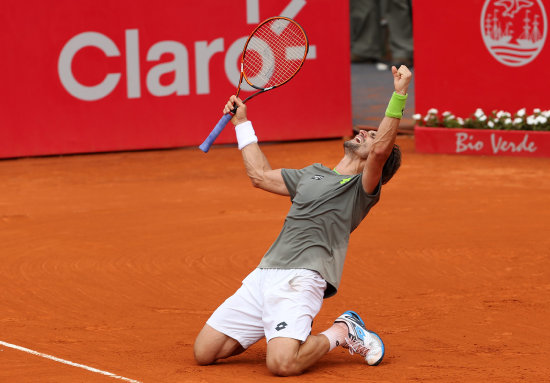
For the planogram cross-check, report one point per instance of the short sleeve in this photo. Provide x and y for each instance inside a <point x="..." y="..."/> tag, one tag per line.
<point x="364" y="202"/>
<point x="291" y="178"/>
<point x="368" y="199"/>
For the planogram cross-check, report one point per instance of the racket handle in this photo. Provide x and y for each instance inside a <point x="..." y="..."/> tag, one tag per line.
<point x="205" y="146"/>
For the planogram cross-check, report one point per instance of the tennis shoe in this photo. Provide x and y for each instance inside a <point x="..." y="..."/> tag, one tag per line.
<point x="360" y="340"/>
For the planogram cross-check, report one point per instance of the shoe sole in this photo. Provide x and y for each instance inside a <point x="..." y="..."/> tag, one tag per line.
<point x="381" y="344"/>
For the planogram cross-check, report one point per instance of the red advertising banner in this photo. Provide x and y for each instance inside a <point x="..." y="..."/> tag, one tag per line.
<point x="100" y="75"/>
<point x="485" y="142"/>
<point x="487" y="54"/>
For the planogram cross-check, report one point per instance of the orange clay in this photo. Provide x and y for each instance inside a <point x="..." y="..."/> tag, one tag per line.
<point x="116" y="261"/>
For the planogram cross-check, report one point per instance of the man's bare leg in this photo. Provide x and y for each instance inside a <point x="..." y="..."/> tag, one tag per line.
<point x="287" y="356"/>
<point x="212" y="345"/>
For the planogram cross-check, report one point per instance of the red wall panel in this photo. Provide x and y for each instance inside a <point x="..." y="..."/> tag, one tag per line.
<point x="99" y="75"/>
<point x="473" y="54"/>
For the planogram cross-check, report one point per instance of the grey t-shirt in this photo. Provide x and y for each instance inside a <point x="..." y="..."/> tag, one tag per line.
<point x="326" y="208"/>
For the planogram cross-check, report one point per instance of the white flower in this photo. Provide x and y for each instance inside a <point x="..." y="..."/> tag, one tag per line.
<point x="541" y="120"/>
<point x="496" y="119"/>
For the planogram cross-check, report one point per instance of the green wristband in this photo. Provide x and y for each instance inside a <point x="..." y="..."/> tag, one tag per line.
<point x="396" y="105"/>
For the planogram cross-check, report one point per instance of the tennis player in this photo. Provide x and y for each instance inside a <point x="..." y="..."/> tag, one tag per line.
<point x="280" y="298"/>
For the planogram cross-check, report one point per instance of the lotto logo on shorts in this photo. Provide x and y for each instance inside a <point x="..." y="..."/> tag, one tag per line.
<point x="281" y="326"/>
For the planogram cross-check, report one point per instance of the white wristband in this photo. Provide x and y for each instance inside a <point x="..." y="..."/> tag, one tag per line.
<point x="245" y="134"/>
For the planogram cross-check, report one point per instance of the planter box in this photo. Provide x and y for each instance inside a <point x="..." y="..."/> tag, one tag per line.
<point x="519" y="143"/>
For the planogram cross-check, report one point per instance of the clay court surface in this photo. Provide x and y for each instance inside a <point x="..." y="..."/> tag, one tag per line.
<point x="115" y="261"/>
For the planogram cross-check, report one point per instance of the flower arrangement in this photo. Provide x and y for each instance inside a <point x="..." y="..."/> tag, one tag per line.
<point x="497" y="120"/>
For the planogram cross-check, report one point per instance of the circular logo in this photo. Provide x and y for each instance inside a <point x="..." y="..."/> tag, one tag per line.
<point x="514" y="31"/>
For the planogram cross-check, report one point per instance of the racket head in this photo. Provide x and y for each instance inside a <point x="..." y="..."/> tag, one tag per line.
<point x="274" y="52"/>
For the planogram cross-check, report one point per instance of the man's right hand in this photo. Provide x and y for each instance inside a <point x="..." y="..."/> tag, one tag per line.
<point x="240" y="115"/>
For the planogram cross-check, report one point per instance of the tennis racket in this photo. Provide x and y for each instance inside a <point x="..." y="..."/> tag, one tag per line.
<point x="273" y="54"/>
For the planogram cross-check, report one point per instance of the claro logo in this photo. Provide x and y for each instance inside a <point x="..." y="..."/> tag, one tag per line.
<point x="179" y="66"/>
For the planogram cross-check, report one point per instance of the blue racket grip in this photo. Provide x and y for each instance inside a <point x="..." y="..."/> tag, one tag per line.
<point x="205" y="146"/>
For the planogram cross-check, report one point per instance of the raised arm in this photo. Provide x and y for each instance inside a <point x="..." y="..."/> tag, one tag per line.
<point x="384" y="141"/>
<point x="257" y="166"/>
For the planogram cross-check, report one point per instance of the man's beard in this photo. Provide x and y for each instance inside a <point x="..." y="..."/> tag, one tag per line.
<point x="350" y="147"/>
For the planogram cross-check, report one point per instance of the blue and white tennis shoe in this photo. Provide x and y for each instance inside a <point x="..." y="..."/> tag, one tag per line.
<point x="360" y="340"/>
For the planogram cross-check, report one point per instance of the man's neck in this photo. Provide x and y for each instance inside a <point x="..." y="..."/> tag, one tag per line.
<point x="350" y="166"/>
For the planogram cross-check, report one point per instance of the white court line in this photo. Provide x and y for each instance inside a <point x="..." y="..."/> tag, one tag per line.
<point x="67" y="362"/>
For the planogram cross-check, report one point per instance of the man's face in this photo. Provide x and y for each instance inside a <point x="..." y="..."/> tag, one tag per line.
<point x="361" y="143"/>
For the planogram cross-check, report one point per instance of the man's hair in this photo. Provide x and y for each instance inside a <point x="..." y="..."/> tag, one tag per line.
<point x="392" y="164"/>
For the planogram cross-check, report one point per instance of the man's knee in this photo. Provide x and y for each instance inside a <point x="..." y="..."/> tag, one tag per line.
<point x="207" y="345"/>
<point x="212" y="345"/>
<point x="283" y="366"/>
<point x="203" y="355"/>
<point x="281" y="358"/>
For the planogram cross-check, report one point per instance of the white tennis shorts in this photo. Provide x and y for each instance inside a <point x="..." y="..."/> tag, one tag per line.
<point x="271" y="303"/>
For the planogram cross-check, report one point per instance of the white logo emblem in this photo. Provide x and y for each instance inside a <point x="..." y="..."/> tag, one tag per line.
<point x="514" y="31"/>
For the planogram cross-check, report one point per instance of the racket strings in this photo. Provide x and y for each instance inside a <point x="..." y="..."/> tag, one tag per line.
<point x="274" y="53"/>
